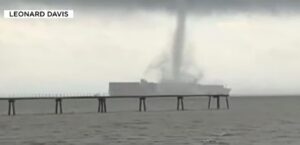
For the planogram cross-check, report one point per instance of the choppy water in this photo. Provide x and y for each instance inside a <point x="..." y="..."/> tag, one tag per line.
<point x="250" y="121"/>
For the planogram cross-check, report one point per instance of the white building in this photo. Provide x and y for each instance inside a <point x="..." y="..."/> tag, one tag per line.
<point x="167" y="88"/>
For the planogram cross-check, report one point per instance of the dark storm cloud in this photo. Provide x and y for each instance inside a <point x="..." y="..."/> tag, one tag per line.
<point x="204" y="6"/>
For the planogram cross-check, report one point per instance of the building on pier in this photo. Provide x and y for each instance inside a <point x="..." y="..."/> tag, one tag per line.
<point x="165" y="88"/>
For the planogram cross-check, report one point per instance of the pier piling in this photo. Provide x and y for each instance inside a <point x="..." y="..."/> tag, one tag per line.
<point x="227" y="102"/>
<point x="180" y="103"/>
<point x="58" y="104"/>
<point x="104" y="104"/>
<point x="11" y="107"/>
<point x="218" y="99"/>
<point x="209" y="100"/>
<point x="142" y="103"/>
<point x="101" y="105"/>
<point x="218" y="102"/>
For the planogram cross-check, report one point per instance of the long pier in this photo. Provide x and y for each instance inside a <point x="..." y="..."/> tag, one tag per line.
<point x="102" y="107"/>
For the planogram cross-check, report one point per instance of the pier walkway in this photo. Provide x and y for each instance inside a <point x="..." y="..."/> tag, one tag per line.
<point x="102" y="106"/>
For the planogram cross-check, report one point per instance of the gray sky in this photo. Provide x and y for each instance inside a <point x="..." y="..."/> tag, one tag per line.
<point x="249" y="46"/>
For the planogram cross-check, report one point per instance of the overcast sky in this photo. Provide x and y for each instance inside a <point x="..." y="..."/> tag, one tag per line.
<point x="249" y="46"/>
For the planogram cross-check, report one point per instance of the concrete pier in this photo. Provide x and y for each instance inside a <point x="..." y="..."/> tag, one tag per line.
<point x="102" y="106"/>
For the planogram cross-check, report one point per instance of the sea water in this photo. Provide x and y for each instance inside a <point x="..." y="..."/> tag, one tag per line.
<point x="249" y="121"/>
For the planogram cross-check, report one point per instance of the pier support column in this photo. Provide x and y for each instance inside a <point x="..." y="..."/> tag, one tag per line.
<point x="218" y="102"/>
<point x="104" y="105"/>
<point x="209" y="100"/>
<point x="11" y="107"/>
<point x="218" y="98"/>
<point x="101" y="105"/>
<point x="227" y="102"/>
<point x="142" y="103"/>
<point x="180" y="103"/>
<point x="58" y="104"/>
